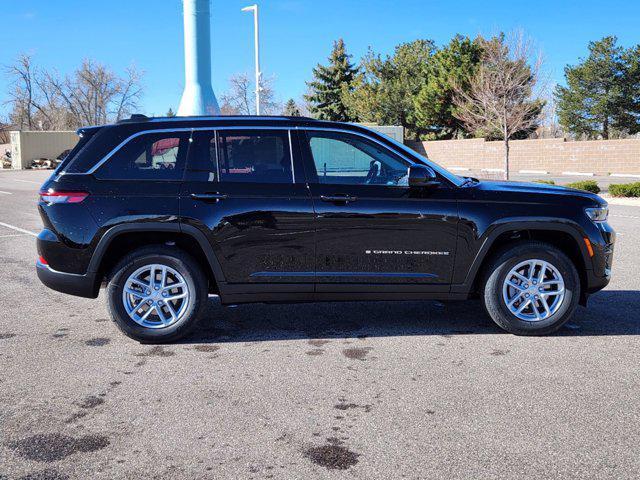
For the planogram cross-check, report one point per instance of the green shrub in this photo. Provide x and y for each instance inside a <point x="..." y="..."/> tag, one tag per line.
<point x="588" y="185"/>
<point x="548" y="182"/>
<point x="625" y="189"/>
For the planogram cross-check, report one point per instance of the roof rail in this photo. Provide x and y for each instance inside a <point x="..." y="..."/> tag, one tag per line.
<point x="135" y="117"/>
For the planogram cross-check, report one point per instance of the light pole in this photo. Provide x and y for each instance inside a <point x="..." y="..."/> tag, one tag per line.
<point x="254" y="9"/>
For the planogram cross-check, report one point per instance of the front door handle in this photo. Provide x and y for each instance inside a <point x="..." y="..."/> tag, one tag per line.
<point x="209" y="197"/>
<point x="339" y="198"/>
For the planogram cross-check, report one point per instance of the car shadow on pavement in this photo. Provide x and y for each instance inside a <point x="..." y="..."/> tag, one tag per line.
<point x="610" y="312"/>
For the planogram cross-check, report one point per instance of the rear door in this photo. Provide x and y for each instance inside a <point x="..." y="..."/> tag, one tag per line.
<point x="245" y="190"/>
<point x="140" y="181"/>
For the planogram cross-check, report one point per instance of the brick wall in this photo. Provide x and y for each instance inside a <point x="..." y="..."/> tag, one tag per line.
<point x="555" y="155"/>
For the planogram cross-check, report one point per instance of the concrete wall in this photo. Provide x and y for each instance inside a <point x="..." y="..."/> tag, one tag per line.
<point x="555" y="156"/>
<point x="29" y="146"/>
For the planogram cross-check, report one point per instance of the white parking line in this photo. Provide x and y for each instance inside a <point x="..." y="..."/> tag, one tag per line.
<point x="14" y="235"/>
<point x="18" y="229"/>
<point x="27" y="181"/>
<point x="6" y="193"/>
<point x="626" y="216"/>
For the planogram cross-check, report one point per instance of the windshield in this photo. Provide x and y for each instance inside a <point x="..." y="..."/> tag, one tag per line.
<point x="455" y="179"/>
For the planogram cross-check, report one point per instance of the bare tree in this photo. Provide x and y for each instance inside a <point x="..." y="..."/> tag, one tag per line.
<point x="44" y="100"/>
<point x="22" y="91"/>
<point x="499" y="101"/>
<point x="95" y="95"/>
<point x="240" y="99"/>
<point x="4" y="134"/>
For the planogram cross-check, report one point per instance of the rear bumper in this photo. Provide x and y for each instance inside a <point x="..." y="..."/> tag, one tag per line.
<point x="70" y="283"/>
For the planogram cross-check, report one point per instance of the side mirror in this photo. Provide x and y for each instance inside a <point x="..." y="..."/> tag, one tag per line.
<point x="422" y="176"/>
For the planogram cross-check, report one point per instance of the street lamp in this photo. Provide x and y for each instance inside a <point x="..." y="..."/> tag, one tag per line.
<point x="254" y="9"/>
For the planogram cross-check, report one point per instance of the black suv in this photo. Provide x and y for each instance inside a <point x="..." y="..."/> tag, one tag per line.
<point x="166" y="211"/>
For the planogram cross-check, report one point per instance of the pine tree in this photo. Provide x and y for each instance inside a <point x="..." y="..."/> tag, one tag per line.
<point x="600" y="99"/>
<point x="171" y="113"/>
<point x="451" y="66"/>
<point x="384" y="90"/>
<point x="291" y="109"/>
<point x="329" y="84"/>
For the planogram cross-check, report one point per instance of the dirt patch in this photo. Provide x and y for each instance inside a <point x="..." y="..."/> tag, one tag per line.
<point x="317" y="342"/>
<point x="115" y="383"/>
<point x="206" y="348"/>
<point x="100" y="320"/>
<point x="332" y="457"/>
<point x="157" y="351"/>
<point x="76" y="416"/>
<point x="499" y="353"/>
<point x="315" y="352"/>
<point x="51" y="447"/>
<point x="4" y="336"/>
<point x="61" y="333"/>
<point x="48" y="474"/>
<point x="97" y="342"/>
<point x="91" y="402"/>
<point x="356" y="353"/>
<point x="349" y="406"/>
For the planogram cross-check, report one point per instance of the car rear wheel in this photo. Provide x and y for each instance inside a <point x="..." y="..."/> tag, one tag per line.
<point x="531" y="288"/>
<point x="157" y="294"/>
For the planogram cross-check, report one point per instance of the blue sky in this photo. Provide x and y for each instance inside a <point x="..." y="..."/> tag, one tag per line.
<point x="296" y="34"/>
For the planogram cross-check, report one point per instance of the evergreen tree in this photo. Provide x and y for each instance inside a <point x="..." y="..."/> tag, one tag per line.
<point x="452" y="65"/>
<point x="326" y="89"/>
<point x="385" y="90"/>
<point x="602" y="96"/>
<point x="171" y="113"/>
<point x="291" y="109"/>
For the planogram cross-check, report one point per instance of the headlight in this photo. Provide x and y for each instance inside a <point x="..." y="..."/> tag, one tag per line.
<point x="597" y="214"/>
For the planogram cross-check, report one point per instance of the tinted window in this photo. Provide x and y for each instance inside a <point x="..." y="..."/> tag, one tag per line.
<point x="254" y="156"/>
<point x="202" y="157"/>
<point x="343" y="158"/>
<point x="152" y="156"/>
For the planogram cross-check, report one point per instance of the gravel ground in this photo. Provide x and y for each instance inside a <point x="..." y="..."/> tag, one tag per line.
<point x="354" y="390"/>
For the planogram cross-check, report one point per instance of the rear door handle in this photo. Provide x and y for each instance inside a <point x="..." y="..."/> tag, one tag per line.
<point x="209" y="197"/>
<point x="339" y="198"/>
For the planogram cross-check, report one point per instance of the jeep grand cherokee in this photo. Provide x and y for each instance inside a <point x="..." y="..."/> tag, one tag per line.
<point x="165" y="211"/>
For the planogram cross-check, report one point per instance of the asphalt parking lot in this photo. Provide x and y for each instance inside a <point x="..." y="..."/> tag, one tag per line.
<point x="355" y="390"/>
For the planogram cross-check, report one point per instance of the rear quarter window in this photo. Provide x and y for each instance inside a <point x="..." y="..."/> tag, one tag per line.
<point x="149" y="156"/>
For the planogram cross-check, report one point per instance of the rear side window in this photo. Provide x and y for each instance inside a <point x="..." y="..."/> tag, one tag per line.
<point x="150" y="156"/>
<point x="254" y="156"/>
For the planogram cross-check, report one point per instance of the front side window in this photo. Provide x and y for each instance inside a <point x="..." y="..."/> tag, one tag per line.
<point x="254" y="156"/>
<point x="344" y="158"/>
<point x="150" y="156"/>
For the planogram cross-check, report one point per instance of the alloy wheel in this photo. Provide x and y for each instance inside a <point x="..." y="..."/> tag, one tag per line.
<point x="533" y="290"/>
<point x="156" y="296"/>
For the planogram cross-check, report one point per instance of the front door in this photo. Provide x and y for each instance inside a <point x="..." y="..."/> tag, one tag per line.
<point x="244" y="190"/>
<point x="371" y="227"/>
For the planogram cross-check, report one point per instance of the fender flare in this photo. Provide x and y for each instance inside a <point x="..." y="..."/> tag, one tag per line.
<point x="524" y="223"/>
<point x="193" y="232"/>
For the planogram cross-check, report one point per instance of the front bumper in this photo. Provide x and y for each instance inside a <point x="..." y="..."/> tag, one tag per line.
<point x="70" y="283"/>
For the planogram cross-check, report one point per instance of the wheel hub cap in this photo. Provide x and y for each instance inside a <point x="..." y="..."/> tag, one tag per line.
<point x="533" y="290"/>
<point x="156" y="296"/>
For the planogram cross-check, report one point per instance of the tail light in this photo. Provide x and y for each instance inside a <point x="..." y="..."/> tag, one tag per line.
<point x="50" y="196"/>
<point x="42" y="260"/>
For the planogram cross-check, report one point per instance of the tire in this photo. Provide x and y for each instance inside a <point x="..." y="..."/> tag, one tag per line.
<point x="494" y="291"/>
<point x="180" y="267"/>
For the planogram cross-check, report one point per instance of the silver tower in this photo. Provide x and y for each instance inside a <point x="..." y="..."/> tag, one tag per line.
<point x="198" y="97"/>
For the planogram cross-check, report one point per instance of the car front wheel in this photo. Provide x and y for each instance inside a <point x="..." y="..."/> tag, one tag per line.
<point x="156" y="294"/>
<point x="531" y="288"/>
